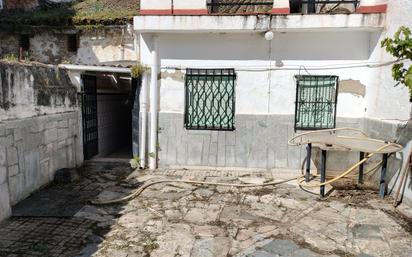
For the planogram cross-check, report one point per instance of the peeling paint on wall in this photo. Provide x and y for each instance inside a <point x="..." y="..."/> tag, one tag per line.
<point x="176" y="75"/>
<point x="354" y="87"/>
<point x="9" y="44"/>
<point x="28" y="90"/>
<point x="95" y="46"/>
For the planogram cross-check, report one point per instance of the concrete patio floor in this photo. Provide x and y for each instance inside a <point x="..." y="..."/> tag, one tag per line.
<point x="200" y="221"/>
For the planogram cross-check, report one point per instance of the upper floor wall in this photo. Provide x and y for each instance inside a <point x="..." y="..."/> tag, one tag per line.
<point x="26" y="4"/>
<point x="18" y="4"/>
<point x="221" y="7"/>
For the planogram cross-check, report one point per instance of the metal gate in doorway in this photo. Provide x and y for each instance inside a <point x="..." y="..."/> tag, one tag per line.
<point x="89" y="114"/>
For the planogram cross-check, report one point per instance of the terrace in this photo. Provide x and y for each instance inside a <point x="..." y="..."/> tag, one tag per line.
<point x="296" y="6"/>
<point x="249" y="7"/>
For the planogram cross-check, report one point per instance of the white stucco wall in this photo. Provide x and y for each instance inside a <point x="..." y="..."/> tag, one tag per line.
<point x="193" y="4"/>
<point x="266" y="70"/>
<point x="155" y="4"/>
<point x="386" y="101"/>
<point x="212" y="43"/>
<point x="105" y="45"/>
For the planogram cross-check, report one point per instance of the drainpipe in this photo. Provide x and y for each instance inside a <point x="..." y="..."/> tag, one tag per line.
<point x="154" y="100"/>
<point x="144" y="104"/>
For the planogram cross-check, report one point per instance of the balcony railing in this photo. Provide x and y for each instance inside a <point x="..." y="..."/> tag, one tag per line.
<point x="237" y="7"/>
<point x="323" y="6"/>
<point x="250" y="7"/>
<point x="296" y="6"/>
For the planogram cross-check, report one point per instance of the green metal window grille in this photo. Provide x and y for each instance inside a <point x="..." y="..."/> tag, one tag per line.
<point x="316" y="99"/>
<point x="210" y="99"/>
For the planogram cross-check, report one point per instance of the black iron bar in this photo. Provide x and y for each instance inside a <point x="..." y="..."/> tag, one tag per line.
<point x="331" y="1"/>
<point x="308" y="159"/>
<point x="382" y="190"/>
<point x="311" y="6"/>
<point x="323" y="172"/>
<point x="271" y="3"/>
<point x="360" y="178"/>
<point x="237" y="4"/>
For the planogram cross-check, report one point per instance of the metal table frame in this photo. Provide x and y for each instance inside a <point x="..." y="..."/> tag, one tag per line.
<point x="382" y="186"/>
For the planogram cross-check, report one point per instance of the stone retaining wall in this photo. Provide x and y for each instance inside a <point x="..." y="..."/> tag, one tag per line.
<point x="39" y="129"/>
<point x="31" y="150"/>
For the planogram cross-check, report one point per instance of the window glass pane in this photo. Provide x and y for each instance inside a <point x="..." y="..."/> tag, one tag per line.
<point x="210" y="99"/>
<point x="316" y="102"/>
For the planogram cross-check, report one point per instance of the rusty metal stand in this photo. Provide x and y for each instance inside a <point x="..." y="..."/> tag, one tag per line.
<point x="323" y="172"/>
<point x="308" y="159"/>
<point x="360" y="178"/>
<point x="382" y="190"/>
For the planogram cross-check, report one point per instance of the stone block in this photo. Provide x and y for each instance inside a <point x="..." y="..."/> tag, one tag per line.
<point x="37" y="126"/>
<point x="51" y="124"/>
<point x="12" y="157"/>
<point x="231" y="156"/>
<point x="73" y="131"/>
<point x="257" y="155"/>
<point x="3" y="157"/>
<point x="13" y="170"/>
<point x="271" y="158"/>
<point x="50" y="135"/>
<point x="212" y="154"/>
<point x="3" y="174"/>
<point x="17" y="132"/>
<point x="171" y="150"/>
<point x="5" y="208"/>
<point x="182" y="151"/>
<point x="61" y="144"/>
<point x="294" y="157"/>
<point x="32" y="172"/>
<point x="16" y="188"/>
<point x="32" y="140"/>
<point x="205" y="150"/>
<point x="231" y="138"/>
<point x="242" y="146"/>
<point x="59" y="158"/>
<point x="281" y="157"/>
<point x="62" y="133"/>
<point x="71" y="155"/>
<point x="63" y="124"/>
<point x="9" y="140"/>
<point x="45" y="151"/>
<point x="45" y="171"/>
<point x="221" y="148"/>
<point x="73" y="123"/>
<point x="195" y="146"/>
<point x="213" y="136"/>
<point x="2" y="130"/>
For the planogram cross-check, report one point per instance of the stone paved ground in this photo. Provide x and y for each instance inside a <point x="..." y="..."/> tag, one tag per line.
<point x="59" y="237"/>
<point x="44" y="224"/>
<point x="201" y="221"/>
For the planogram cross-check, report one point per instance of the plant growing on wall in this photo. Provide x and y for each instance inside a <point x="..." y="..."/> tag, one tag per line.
<point x="135" y="162"/>
<point x="400" y="46"/>
<point x="10" y="58"/>
<point x="138" y="69"/>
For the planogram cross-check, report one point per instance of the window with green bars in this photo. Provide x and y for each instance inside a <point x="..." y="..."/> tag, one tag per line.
<point x="316" y="100"/>
<point x="210" y="99"/>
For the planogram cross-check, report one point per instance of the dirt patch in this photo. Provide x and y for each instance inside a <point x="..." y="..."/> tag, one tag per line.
<point x="401" y="219"/>
<point x="355" y="197"/>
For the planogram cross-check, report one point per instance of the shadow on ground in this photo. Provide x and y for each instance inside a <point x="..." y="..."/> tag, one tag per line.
<point x="186" y="220"/>
<point x="57" y="220"/>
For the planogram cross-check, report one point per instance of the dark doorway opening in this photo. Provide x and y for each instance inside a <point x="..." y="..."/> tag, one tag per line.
<point x="89" y="114"/>
<point x="112" y="123"/>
